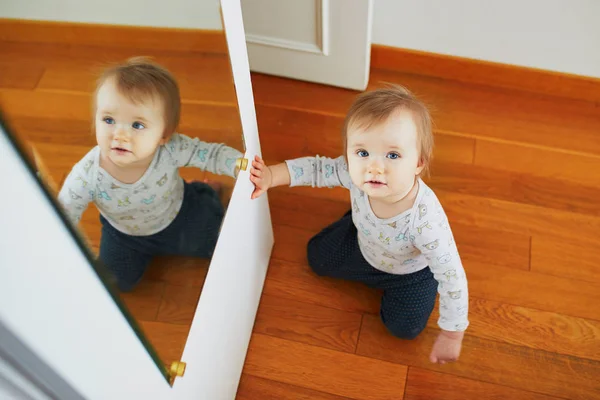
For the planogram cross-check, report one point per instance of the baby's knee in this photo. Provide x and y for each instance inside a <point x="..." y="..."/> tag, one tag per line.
<point x="403" y="330"/>
<point x="315" y="261"/>
<point x="122" y="284"/>
<point x="318" y="267"/>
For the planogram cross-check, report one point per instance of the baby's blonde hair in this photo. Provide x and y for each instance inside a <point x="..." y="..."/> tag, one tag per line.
<point x="140" y="79"/>
<point x="376" y="106"/>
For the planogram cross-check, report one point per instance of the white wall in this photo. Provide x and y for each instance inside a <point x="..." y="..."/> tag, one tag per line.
<point x="200" y="14"/>
<point x="558" y="35"/>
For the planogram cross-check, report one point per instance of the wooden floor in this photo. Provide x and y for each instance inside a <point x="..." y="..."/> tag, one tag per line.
<point x="518" y="174"/>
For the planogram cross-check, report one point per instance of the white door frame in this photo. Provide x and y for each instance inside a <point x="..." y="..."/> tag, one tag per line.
<point x="59" y="308"/>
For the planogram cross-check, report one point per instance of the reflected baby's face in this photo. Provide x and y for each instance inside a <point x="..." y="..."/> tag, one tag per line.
<point x="127" y="133"/>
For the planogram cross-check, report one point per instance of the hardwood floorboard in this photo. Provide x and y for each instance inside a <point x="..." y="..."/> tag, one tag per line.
<point x="178" y="271"/>
<point x="428" y="385"/>
<point x="253" y="388"/>
<point x="488" y="361"/>
<point x="179" y="304"/>
<point x="575" y="258"/>
<point x="310" y="367"/>
<point x="515" y="217"/>
<point x="576" y="168"/>
<point x="144" y="303"/>
<point x="492" y="247"/>
<point x="80" y="76"/>
<point x="532" y="289"/>
<point x="19" y="74"/>
<point x="307" y="323"/>
<point x="296" y="281"/>
<point x="496" y="183"/>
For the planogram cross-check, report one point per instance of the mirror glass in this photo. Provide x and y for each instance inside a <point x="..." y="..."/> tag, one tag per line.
<point x="147" y="193"/>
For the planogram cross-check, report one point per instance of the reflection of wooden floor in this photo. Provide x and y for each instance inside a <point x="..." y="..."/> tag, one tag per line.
<point x="45" y="93"/>
<point x="519" y="176"/>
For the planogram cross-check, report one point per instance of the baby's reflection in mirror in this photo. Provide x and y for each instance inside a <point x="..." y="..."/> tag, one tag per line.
<point x="132" y="175"/>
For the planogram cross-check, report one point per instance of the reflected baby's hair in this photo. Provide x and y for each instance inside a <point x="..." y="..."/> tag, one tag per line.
<point x="374" y="107"/>
<point x="141" y="79"/>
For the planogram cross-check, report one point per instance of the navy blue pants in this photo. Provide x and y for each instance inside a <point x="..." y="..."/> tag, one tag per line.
<point x="193" y="232"/>
<point x="407" y="300"/>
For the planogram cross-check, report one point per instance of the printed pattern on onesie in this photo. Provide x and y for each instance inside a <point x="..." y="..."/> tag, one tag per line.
<point x="152" y="203"/>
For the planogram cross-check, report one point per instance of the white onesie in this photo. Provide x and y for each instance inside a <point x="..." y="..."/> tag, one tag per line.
<point x="409" y="242"/>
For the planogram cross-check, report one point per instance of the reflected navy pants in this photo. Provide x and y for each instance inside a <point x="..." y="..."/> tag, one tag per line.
<point x="193" y="232"/>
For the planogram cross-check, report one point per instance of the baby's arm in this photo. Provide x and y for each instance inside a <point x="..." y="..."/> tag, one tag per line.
<point x="216" y="158"/>
<point x="306" y="171"/>
<point x="76" y="193"/>
<point x="433" y="237"/>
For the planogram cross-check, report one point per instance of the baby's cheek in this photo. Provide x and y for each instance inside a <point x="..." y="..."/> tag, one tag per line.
<point x="355" y="173"/>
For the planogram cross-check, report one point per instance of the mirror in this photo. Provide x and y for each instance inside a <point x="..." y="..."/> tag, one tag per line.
<point x="150" y="205"/>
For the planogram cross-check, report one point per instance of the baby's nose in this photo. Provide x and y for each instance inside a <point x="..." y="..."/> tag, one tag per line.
<point x="121" y="132"/>
<point x="375" y="166"/>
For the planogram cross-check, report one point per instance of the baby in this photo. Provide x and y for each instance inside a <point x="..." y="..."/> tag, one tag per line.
<point x="396" y="237"/>
<point x="132" y="175"/>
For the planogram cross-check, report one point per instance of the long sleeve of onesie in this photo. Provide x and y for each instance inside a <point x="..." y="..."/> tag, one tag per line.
<point x="432" y="235"/>
<point x="216" y="158"/>
<point x="78" y="189"/>
<point x="319" y="172"/>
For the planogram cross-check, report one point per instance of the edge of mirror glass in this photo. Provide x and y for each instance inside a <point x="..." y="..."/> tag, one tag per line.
<point x="28" y="155"/>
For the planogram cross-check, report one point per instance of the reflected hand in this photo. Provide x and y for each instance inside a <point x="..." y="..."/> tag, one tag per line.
<point x="261" y="176"/>
<point x="447" y="347"/>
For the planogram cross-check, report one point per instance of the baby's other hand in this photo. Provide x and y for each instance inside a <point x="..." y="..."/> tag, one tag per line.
<point x="261" y="176"/>
<point x="446" y="347"/>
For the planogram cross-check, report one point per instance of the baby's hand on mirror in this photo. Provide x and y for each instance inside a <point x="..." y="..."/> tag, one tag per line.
<point x="261" y="176"/>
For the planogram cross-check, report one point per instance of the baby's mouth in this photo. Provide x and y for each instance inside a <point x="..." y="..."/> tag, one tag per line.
<point x="375" y="183"/>
<point x="120" y="151"/>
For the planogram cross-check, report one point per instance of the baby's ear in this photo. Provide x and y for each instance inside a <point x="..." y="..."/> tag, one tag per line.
<point x="420" y="166"/>
<point x="165" y="139"/>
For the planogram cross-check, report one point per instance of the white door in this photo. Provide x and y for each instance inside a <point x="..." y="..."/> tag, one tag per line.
<point x="64" y="317"/>
<point x="323" y="41"/>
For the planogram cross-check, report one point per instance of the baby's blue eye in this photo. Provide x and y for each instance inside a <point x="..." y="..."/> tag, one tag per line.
<point x="393" y="156"/>
<point x="138" y="125"/>
<point x="362" y="153"/>
<point x="108" y="120"/>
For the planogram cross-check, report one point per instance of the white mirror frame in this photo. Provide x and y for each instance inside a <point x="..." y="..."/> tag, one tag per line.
<point x="57" y="306"/>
